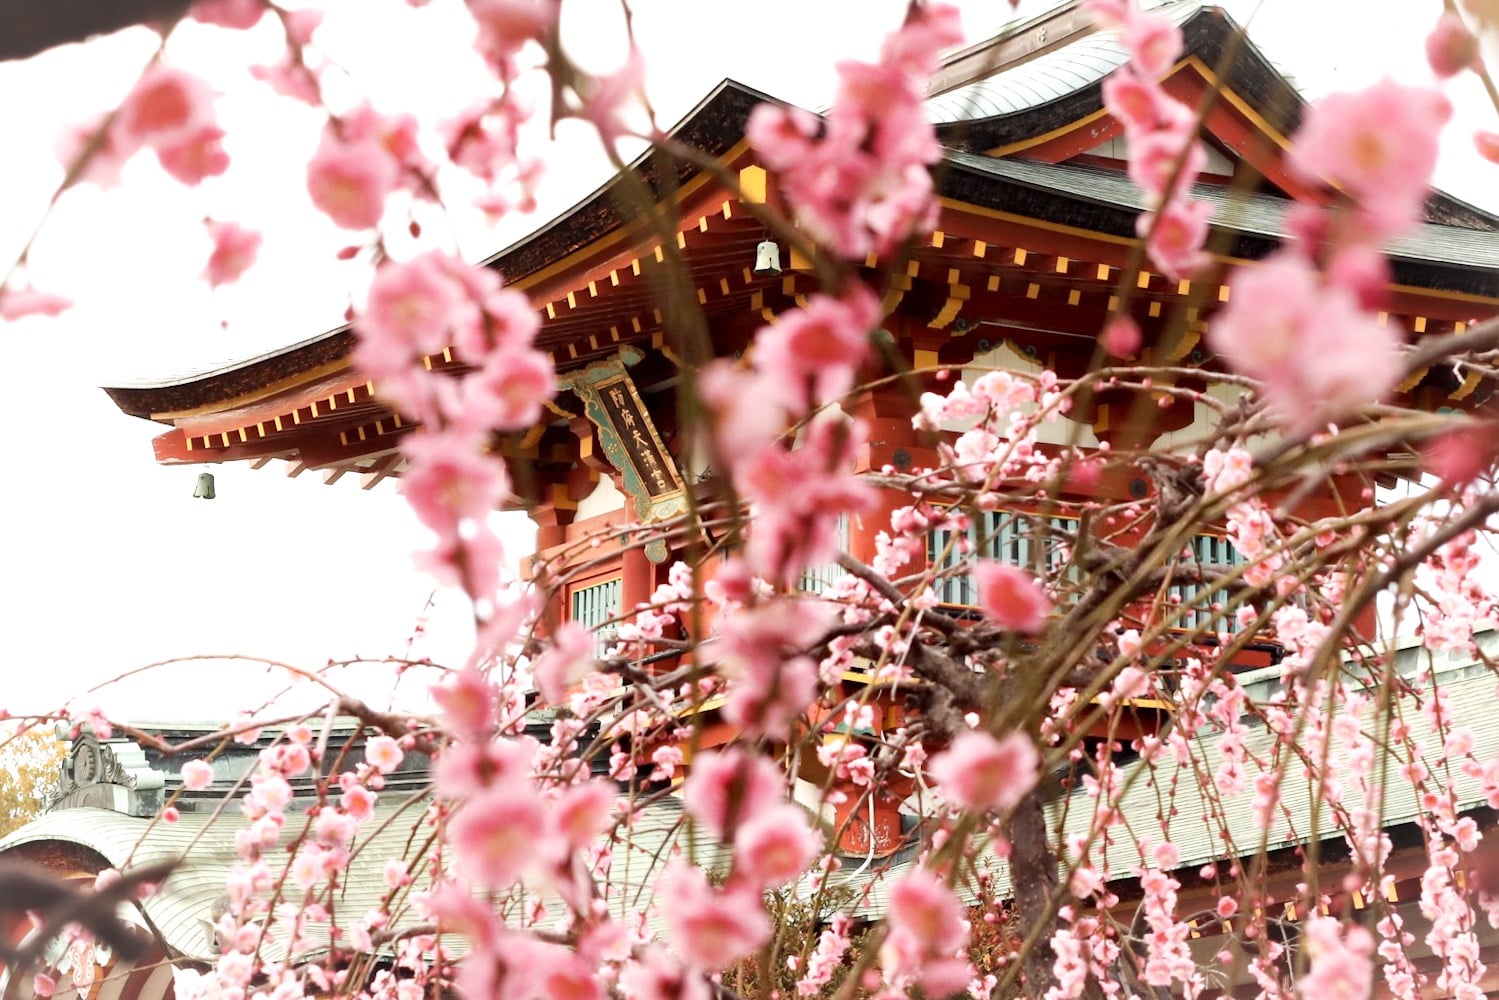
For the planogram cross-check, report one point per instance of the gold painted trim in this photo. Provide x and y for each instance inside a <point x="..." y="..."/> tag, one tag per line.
<point x="620" y="235"/>
<point x="1226" y="94"/>
<point x="950" y="204"/>
<point x="1033" y="223"/>
<point x="290" y="382"/>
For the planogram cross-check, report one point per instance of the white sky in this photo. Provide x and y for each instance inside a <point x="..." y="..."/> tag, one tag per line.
<point x="111" y="564"/>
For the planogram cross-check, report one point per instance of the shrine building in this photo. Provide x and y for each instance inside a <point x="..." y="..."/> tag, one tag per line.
<point x="1037" y="225"/>
<point x="1037" y="222"/>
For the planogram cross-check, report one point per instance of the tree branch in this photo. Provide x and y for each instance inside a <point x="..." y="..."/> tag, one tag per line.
<point x="28" y="27"/>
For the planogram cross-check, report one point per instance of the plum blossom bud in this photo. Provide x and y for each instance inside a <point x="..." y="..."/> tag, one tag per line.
<point x="1121" y="337"/>
<point x="1487" y="144"/>
<point x="234" y="251"/>
<point x="1451" y="47"/>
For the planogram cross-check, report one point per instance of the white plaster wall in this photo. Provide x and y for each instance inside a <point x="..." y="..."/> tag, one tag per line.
<point x="605" y="499"/>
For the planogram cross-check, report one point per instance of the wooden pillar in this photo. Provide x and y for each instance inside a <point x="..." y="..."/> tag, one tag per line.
<point x="637" y="573"/>
<point x="893" y="442"/>
<point x="551" y="524"/>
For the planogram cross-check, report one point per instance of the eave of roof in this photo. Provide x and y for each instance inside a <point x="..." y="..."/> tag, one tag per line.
<point x="716" y="124"/>
<point x="713" y="127"/>
<point x="1064" y="85"/>
<point x="1439" y="257"/>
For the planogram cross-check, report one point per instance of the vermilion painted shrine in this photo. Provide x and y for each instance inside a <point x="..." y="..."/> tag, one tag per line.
<point x="1037" y="223"/>
<point x="656" y="271"/>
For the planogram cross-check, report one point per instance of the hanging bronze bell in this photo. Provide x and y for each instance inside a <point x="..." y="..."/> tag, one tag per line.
<point x="204" y="489"/>
<point x="767" y="259"/>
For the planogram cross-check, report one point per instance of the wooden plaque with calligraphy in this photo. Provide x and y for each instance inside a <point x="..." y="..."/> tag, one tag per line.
<point x="629" y="440"/>
<point x="637" y="434"/>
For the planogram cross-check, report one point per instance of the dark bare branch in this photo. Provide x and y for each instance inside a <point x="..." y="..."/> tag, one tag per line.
<point x="28" y="27"/>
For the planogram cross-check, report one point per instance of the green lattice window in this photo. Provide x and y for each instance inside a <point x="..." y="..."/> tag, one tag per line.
<point x="597" y="606"/>
<point x="820" y="579"/>
<point x="1211" y="555"/>
<point x="1033" y="542"/>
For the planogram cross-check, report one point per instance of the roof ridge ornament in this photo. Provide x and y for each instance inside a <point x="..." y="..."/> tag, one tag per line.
<point x="108" y="774"/>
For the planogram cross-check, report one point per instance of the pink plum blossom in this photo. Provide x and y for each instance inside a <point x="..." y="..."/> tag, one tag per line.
<point x="1487" y="144"/>
<point x="582" y="813"/>
<point x="449" y="483"/>
<point x="1140" y="105"/>
<point x="333" y="828"/>
<point x="238" y="14"/>
<point x="767" y="702"/>
<point x="1451" y="47"/>
<point x="467" y="700"/>
<point x="726" y="788"/>
<point x="1152" y="42"/>
<point x="1121" y="337"/>
<point x="798" y="494"/>
<point x="383" y="753"/>
<point x="290" y="78"/>
<point x="1109" y="13"/>
<point x="500" y="834"/>
<point x="710" y="928"/>
<point x="507" y="25"/>
<point x="1174" y="237"/>
<point x="395" y="873"/>
<point x="810" y="355"/>
<point x="1341" y="959"/>
<point x="1318" y="354"/>
<point x="412" y="309"/>
<point x="979" y="772"/>
<point x="197" y="775"/>
<point x="234" y="250"/>
<point x="1010" y="597"/>
<point x="862" y="184"/>
<point x="606" y="98"/>
<point x="1166" y="158"/>
<point x="196" y="158"/>
<point x="926" y="929"/>
<point x="167" y="106"/>
<point x="774" y="846"/>
<point x="290" y="759"/>
<point x="1461" y="455"/>
<point x="18" y="303"/>
<point x="349" y="182"/>
<point x="508" y="393"/>
<point x="652" y="975"/>
<point x="744" y="421"/>
<point x="483" y="138"/>
<point x="567" y="661"/>
<point x="922" y="905"/>
<point x="1379" y="145"/>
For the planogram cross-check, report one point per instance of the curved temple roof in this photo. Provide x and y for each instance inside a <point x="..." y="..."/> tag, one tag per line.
<point x="594" y="271"/>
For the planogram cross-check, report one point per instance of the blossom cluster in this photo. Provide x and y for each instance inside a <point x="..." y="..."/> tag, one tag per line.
<point x="858" y="180"/>
<point x="1315" y="298"/>
<point x="1088" y="680"/>
<point x="1165" y="155"/>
